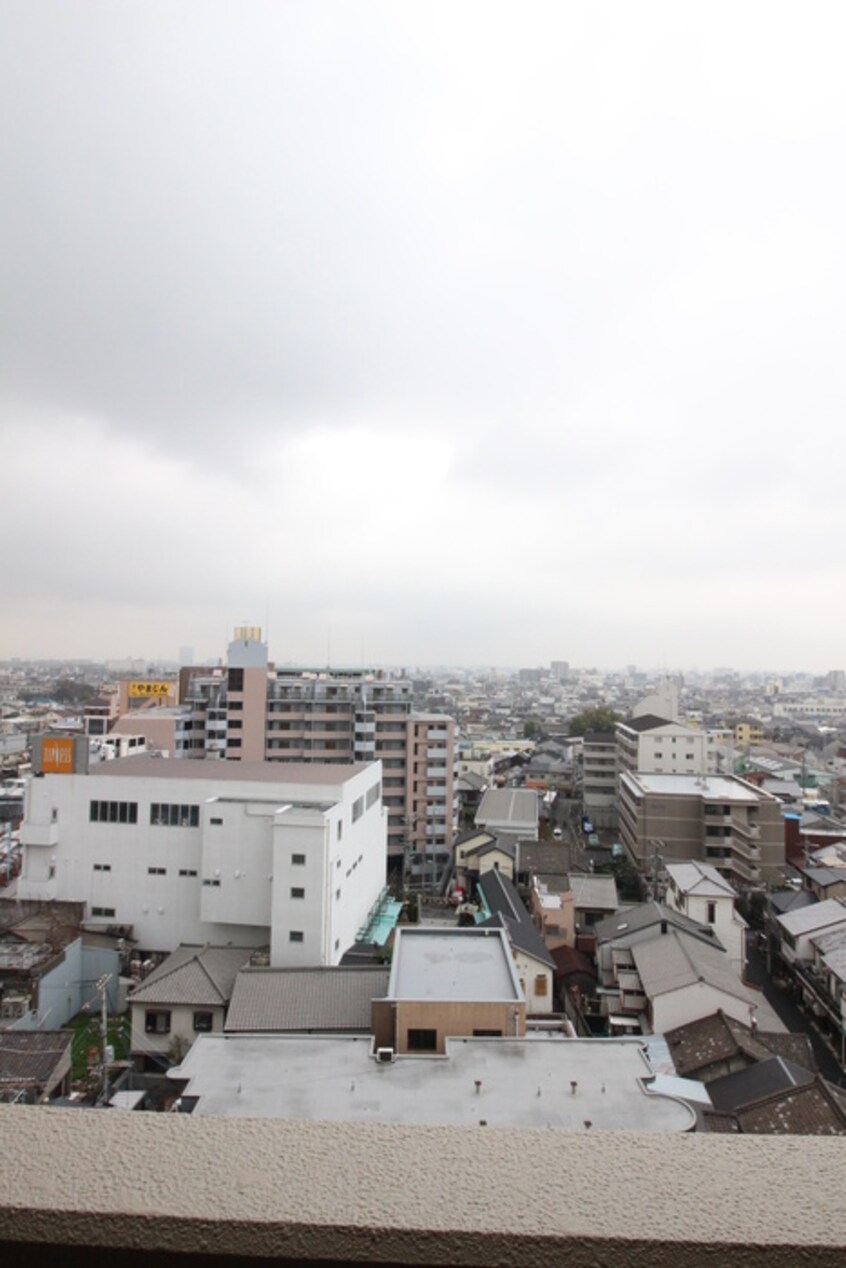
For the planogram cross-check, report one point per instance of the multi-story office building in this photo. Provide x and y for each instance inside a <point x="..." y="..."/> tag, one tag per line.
<point x="195" y="852"/>
<point x="250" y="710"/>
<point x="719" y="820"/>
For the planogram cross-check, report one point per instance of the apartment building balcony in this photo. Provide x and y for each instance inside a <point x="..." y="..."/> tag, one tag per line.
<point x="746" y="849"/>
<point x="744" y="870"/>
<point x="436" y="752"/>
<point x="437" y="733"/>
<point x="746" y="829"/>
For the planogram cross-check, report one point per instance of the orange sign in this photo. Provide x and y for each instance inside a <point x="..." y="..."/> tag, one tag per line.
<point x="57" y="755"/>
<point x="150" y="688"/>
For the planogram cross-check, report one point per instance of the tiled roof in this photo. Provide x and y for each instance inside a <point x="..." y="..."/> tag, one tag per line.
<point x="717" y="1038"/>
<point x="633" y="919"/>
<point x="814" y="1109"/>
<point x="510" y="913"/>
<point x="29" y="1057"/>
<point x="194" y="976"/>
<point x="305" y="999"/>
<point x="734" y="1092"/>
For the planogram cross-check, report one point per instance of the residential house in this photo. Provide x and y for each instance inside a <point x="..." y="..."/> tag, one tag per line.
<point x="533" y="962"/>
<point x="305" y="1001"/>
<point x="719" y="1044"/>
<point x="701" y="892"/>
<point x="186" y="996"/>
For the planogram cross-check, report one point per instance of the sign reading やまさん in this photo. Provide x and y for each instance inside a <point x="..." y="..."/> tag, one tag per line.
<point x="150" y="688"/>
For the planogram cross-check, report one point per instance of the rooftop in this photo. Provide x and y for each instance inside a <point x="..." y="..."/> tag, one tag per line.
<point x="708" y="787"/>
<point x="524" y="1083"/>
<point x="816" y="916"/>
<point x="517" y="806"/>
<point x="699" y="878"/>
<point x="283" y="773"/>
<point x="453" y="964"/>
<point x="194" y="975"/>
<point x="305" y="999"/>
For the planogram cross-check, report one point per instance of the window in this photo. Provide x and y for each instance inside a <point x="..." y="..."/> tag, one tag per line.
<point x="298" y="860"/>
<point x="358" y="809"/>
<point x="340" y="829"/>
<point x="214" y="882"/>
<point x="422" y="1040"/>
<point x="295" y="935"/>
<point x="102" y="867"/>
<point x="235" y="723"/>
<point x="102" y="911"/>
<point x="203" y="1021"/>
<point x="216" y="822"/>
<point x="157" y="1021"/>
<point x="235" y="680"/>
<point x="712" y="913"/>
<point x="113" y="812"/>
<point x="541" y="984"/>
<point x="187" y="871"/>
<point x="373" y="795"/>
<point x="166" y="815"/>
<point x="487" y="1034"/>
<point x="297" y="892"/>
<point x="236" y="743"/>
<point x="337" y="895"/>
<point x="157" y="871"/>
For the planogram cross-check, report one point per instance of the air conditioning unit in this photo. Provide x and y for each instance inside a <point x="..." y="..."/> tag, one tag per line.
<point x="385" y="1055"/>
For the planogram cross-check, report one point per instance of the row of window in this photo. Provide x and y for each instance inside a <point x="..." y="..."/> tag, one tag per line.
<point x="113" y="812"/>
<point x="169" y="815"/>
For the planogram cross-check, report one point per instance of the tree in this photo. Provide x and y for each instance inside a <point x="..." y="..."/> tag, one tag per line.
<point x="531" y="728"/>
<point x="601" y="718"/>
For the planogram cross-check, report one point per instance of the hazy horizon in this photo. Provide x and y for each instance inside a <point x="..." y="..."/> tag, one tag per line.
<point x="475" y="334"/>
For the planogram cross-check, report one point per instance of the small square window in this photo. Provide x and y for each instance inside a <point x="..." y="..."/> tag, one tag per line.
<point x="297" y="891"/>
<point x="203" y="1021"/>
<point x="298" y="860"/>
<point x="295" y="935"/>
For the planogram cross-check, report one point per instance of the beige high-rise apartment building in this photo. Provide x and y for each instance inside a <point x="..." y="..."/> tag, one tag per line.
<point x="251" y="710"/>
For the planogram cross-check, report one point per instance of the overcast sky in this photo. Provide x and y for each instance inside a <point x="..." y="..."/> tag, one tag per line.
<point x="438" y="332"/>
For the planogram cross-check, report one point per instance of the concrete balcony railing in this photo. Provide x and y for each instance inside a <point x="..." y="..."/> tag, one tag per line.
<point x="210" y="1188"/>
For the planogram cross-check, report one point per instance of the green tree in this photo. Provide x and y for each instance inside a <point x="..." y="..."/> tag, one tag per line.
<point x="601" y="718"/>
<point x="531" y="729"/>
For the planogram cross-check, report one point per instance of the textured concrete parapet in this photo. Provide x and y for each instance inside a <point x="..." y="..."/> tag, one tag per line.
<point x="306" y="1191"/>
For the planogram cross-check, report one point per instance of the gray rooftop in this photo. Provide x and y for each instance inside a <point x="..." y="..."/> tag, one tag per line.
<point x="524" y="1083"/>
<point x="708" y="787"/>
<point x="193" y="975"/>
<point x="699" y="878"/>
<point x="305" y="999"/>
<point x="145" y="767"/>
<point x="817" y="916"/>
<point x="514" y="806"/>
<point x="453" y="964"/>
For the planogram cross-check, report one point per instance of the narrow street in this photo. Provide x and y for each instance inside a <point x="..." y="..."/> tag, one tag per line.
<point x="794" y="1019"/>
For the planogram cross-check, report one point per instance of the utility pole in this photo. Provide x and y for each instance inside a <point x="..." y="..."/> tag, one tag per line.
<point x="108" y="1054"/>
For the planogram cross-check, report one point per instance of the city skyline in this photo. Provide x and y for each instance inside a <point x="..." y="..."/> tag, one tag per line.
<point x="421" y="336"/>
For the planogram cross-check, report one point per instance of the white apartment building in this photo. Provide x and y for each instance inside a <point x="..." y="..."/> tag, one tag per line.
<point x="599" y="778"/>
<point x="245" y="854"/>
<point x="655" y="746"/>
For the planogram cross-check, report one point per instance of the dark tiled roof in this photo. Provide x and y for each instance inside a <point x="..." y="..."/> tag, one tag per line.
<point x="305" y="999"/>
<point x="735" y="1091"/>
<point x="814" y="1109"/>
<point x="717" y="1038"/>
<point x="509" y="912"/>
<point x="648" y="722"/>
<point x="29" y="1057"/>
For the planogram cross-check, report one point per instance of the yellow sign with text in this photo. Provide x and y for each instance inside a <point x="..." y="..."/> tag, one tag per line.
<point x="150" y="688"/>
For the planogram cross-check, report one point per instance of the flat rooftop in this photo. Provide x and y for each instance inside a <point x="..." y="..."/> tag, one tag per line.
<point x="145" y="767"/>
<point x="524" y="1083"/>
<point x="453" y="964"/>
<point x="708" y="787"/>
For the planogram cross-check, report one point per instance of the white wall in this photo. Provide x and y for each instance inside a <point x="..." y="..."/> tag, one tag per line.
<point x="246" y="857"/>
